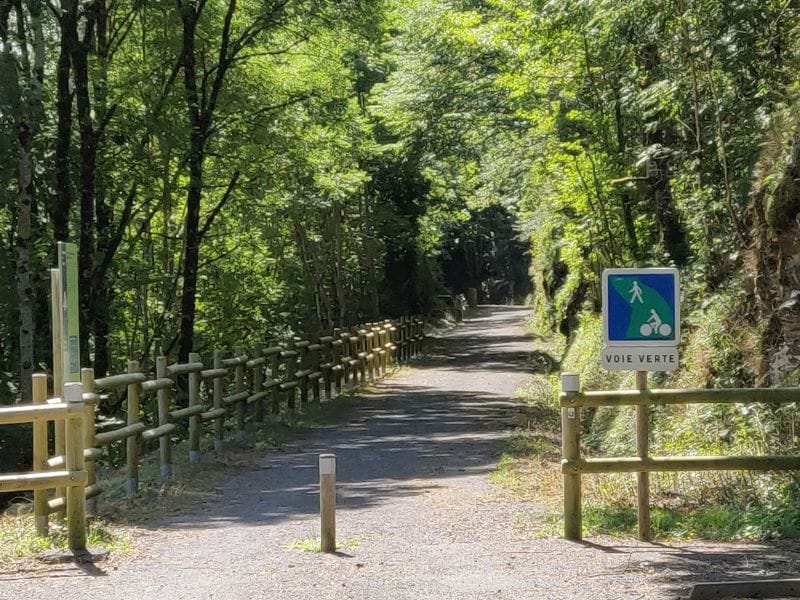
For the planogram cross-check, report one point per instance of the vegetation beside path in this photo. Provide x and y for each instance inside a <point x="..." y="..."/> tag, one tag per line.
<point x="711" y="506"/>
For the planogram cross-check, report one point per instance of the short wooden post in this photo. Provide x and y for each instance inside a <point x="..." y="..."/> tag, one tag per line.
<point x="238" y="378"/>
<point x="89" y="433"/>
<point x="275" y="373"/>
<point x="570" y="449"/>
<point x="132" y="443"/>
<point x="257" y="386"/>
<point x="74" y="460"/>
<point x="164" y="442"/>
<point x="40" y="455"/>
<point x="219" y="422"/>
<point x="642" y="450"/>
<point x="327" y="502"/>
<point x="194" y="420"/>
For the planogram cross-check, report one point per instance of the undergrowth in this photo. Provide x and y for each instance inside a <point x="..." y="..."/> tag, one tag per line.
<point x="708" y="505"/>
<point x="18" y="538"/>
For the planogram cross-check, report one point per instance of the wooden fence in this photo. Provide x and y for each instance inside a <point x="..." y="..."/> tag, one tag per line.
<point x="573" y="466"/>
<point x="248" y="385"/>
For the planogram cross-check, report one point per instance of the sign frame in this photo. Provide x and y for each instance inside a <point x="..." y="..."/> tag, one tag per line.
<point x="639" y="343"/>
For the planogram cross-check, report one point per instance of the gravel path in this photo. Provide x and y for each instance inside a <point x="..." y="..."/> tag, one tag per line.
<point x="418" y="517"/>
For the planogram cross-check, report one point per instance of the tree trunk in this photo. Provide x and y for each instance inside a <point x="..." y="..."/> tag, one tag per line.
<point x="26" y="103"/>
<point x="191" y="254"/>
<point x="63" y="200"/>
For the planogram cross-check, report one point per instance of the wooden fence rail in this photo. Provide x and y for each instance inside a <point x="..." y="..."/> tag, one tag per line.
<point x="248" y="385"/>
<point x="71" y="473"/>
<point x="573" y="465"/>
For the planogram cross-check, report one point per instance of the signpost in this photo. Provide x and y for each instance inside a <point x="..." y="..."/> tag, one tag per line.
<point x="65" y="332"/>
<point x="641" y="330"/>
<point x="641" y="319"/>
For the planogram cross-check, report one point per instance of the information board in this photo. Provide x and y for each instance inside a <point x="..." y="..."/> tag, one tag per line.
<point x="70" y="326"/>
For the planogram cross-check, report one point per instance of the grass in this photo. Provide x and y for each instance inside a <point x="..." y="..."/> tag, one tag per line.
<point x="529" y="469"/>
<point x="314" y="545"/>
<point x="18" y="539"/>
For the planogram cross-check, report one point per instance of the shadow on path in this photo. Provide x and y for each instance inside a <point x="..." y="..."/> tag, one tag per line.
<point x="400" y="440"/>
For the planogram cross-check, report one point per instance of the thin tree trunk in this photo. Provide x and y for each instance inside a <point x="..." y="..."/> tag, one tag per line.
<point x="63" y="200"/>
<point x="191" y="254"/>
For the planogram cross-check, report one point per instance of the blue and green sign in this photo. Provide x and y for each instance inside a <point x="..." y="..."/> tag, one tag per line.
<point x="641" y="307"/>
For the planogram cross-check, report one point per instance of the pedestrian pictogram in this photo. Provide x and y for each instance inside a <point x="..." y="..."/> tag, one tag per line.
<point x="636" y="292"/>
<point x="641" y="318"/>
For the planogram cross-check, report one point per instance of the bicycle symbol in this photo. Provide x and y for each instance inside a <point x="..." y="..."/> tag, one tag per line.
<point x="655" y="325"/>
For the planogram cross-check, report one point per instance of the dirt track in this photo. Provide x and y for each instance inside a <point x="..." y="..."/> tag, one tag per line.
<point x="417" y="516"/>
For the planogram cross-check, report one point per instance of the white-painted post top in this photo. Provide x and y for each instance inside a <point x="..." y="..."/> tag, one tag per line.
<point x="570" y="382"/>
<point x="327" y="464"/>
<point x="73" y="391"/>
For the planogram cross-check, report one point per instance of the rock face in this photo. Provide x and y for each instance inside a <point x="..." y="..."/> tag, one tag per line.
<point x="773" y="258"/>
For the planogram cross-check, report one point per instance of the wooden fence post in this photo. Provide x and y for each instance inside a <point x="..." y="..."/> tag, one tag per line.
<point x="403" y="339"/>
<point x="372" y="354"/>
<point x="315" y="351"/>
<point x="642" y="450"/>
<point x="344" y="337"/>
<point x="291" y="368"/>
<point x="391" y="344"/>
<point x="40" y="455"/>
<point x="326" y="356"/>
<point x="570" y="449"/>
<point x="303" y="368"/>
<point x="219" y="422"/>
<point x="338" y="368"/>
<point x="89" y="434"/>
<point x="383" y="350"/>
<point x="275" y="373"/>
<point x="257" y="386"/>
<point x="327" y="502"/>
<point x="238" y="378"/>
<point x="194" y="420"/>
<point x="74" y="460"/>
<point x="164" y="442"/>
<point x="362" y="354"/>
<point x="132" y="443"/>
